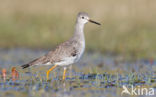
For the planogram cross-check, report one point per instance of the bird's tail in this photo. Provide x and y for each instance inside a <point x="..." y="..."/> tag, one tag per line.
<point x="25" y="66"/>
<point x="34" y="62"/>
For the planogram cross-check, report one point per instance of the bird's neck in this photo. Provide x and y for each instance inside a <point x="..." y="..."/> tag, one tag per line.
<point x="79" y="32"/>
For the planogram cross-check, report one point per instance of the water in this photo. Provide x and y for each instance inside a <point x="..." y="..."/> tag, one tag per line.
<point x="96" y="75"/>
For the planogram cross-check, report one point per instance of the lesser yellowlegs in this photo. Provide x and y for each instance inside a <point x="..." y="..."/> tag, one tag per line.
<point x="68" y="52"/>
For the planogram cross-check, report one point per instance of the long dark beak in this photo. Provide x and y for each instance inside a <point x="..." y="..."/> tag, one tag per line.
<point x="94" y="22"/>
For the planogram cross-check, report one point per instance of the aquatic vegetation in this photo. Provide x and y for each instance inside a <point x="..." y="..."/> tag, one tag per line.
<point x="92" y="76"/>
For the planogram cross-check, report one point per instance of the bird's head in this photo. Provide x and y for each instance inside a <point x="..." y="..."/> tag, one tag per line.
<point x="83" y="18"/>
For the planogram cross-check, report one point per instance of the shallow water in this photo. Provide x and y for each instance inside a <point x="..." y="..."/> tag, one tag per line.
<point x="95" y="75"/>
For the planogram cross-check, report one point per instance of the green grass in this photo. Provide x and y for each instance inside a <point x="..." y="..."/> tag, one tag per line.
<point x="128" y="27"/>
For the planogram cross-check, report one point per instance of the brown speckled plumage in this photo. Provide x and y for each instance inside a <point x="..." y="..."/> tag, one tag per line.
<point x="66" y="49"/>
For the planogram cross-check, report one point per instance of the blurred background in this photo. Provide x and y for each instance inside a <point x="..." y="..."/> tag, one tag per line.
<point x="128" y="26"/>
<point x="122" y="51"/>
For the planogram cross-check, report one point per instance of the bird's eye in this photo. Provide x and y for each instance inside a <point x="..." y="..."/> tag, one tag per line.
<point x="82" y="17"/>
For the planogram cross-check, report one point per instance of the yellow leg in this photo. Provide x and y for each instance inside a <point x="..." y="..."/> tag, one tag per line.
<point x="64" y="73"/>
<point x="50" y="70"/>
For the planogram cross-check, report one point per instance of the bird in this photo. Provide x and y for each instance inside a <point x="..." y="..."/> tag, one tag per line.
<point x="68" y="52"/>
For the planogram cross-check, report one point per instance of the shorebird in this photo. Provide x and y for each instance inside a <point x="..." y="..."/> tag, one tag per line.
<point x="68" y="52"/>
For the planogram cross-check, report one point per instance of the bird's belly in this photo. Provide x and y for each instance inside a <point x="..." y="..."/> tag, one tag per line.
<point x="66" y="61"/>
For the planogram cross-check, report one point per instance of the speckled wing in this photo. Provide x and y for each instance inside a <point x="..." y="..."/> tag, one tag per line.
<point x="64" y="50"/>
